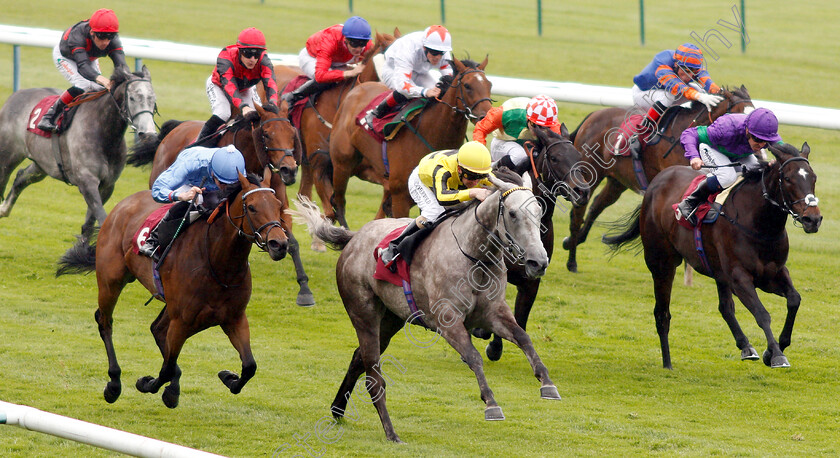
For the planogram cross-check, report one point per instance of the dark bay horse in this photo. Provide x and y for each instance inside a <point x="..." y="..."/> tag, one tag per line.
<point x="316" y="124"/>
<point x="441" y="125"/>
<point x="91" y="152"/>
<point x="458" y="283"/>
<point x="554" y="174"/>
<point x="206" y="278"/>
<point x="596" y="136"/>
<point x="270" y="142"/>
<point x="745" y="249"/>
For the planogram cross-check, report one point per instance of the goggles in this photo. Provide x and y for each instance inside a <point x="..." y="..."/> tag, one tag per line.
<point x="250" y="53"/>
<point x="105" y="35"/>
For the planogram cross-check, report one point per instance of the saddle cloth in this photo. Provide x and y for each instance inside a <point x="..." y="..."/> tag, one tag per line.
<point x="151" y="221"/>
<point x="296" y="111"/>
<point x="631" y="125"/>
<point x="382" y="272"/>
<point x="387" y="127"/>
<point x="38" y="112"/>
<point x="707" y="212"/>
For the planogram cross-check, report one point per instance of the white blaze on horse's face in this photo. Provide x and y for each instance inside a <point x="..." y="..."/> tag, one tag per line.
<point x="803" y="173"/>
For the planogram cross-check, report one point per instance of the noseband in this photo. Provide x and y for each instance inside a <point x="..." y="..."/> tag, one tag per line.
<point x="810" y="199"/>
<point x="124" y="109"/>
<point x="286" y="151"/>
<point x="255" y="236"/>
<point x="511" y="246"/>
<point x="458" y="83"/>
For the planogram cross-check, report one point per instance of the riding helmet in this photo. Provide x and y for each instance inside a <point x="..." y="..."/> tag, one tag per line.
<point x="474" y="157"/>
<point x="226" y="164"/>
<point x="356" y="28"/>
<point x="689" y="56"/>
<point x="104" y="20"/>
<point x="542" y="111"/>
<point x="437" y="37"/>
<point x="251" y="38"/>
<point x="763" y="125"/>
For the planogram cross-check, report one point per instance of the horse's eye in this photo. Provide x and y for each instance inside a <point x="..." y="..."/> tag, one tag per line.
<point x="252" y="209"/>
<point x="467" y="86"/>
<point x="787" y="179"/>
<point x="512" y="214"/>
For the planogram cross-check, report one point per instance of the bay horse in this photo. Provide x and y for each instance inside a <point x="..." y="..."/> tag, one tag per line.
<point x="90" y="154"/>
<point x="316" y="123"/>
<point x="554" y="173"/>
<point x="270" y="141"/>
<point x="206" y="278"/>
<point x="745" y="249"/>
<point x="596" y="136"/>
<point x="458" y="283"/>
<point x="465" y="96"/>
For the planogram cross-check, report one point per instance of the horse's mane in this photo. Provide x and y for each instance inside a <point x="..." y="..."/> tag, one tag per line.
<point x="234" y="188"/>
<point x="447" y="80"/>
<point x="507" y="175"/>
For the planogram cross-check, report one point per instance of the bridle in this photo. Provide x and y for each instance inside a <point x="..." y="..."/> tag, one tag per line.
<point x="255" y="236"/>
<point x="545" y="169"/>
<point x="124" y="109"/>
<point x="510" y="247"/>
<point x="458" y="83"/>
<point x="286" y="151"/>
<point x="785" y="206"/>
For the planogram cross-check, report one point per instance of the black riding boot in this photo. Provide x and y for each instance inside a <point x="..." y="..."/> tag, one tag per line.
<point x="648" y="127"/>
<point x="377" y="112"/>
<point x="689" y="205"/>
<point x="305" y="90"/>
<point x="390" y="254"/>
<point x="162" y="235"/>
<point x="47" y="122"/>
<point x="206" y="137"/>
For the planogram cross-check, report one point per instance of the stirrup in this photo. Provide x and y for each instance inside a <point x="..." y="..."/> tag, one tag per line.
<point x="368" y="119"/>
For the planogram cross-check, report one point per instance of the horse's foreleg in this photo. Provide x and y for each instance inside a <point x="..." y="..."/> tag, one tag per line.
<point x="727" y="309"/>
<point x="25" y="177"/>
<point x="459" y="338"/>
<point x="240" y="336"/>
<point x="170" y="373"/>
<point x="505" y="327"/>
<point x="783" y="286"/>
<point x="305" y="298"/>
<point x="608" y="196"/>
<point x="744" y="288"/>
<point x="571" y="242"/>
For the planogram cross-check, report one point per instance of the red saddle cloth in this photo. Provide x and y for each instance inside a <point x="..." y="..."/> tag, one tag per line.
<point x="382" y="272"/>
<point x="702" y="209"/>
<point x="296" y="111"/>
<point x="151" y="221"/>
<point x="631" y="125"/>
<point x="378" y="126"/>
<point x="38" y="112"/>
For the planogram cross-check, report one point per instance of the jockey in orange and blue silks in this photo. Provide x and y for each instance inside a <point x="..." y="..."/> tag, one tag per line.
<point x="77" y="58"/>
<point x="233" y="82"/>
<point x="332" y="55"/>
<point x="442" y="179"/>
<point x="407" y="64"/>
<point x="732" y="138"/>
<point x="667" y="81"/>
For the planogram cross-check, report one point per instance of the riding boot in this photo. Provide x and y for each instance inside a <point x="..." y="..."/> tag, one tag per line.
<point x="646" y="129"/>
<point x="390" y="254"/>
<point x="206" y="137"/>
<point x="305" y="90"/>
<point x="47" y="122"/>
<point x="377" y="112"/>
<point x="162" y="235"/>
<point x="689" y="205"/>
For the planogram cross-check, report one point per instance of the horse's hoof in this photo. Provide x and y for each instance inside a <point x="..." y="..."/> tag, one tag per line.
<point x="572" y="267"/>
<point x="305" y="298"/>
<point x="765" y="358"/>
<point x="493" y="413"/>
<point x="780" y="361"/>
<point x="550" y="392"/>
<point x="229" y="379"/>
<point x="144" y="384"/>
<point x="112" y="392"/>
<point x="170" y="396"/>
<point x="749" y="353"/>
<point x="493" y="351"/>
<point x="318" y="246"/>
<point x="565" y="243"/>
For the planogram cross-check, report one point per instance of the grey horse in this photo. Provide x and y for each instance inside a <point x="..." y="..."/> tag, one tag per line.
<point x="458" y="276"/>
<point x="92" y="151"/>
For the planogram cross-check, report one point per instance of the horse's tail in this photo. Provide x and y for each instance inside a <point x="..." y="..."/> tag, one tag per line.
<point x="143" y="153"/>
<point x="574" y="133"/>
<point x="79" y="259"/>
<point x="629" y="237"/>
<point x="307" y="212"/>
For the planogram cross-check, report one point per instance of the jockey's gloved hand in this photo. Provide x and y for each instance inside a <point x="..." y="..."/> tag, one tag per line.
<point x="270" y="106"/>
<point x="710" y="100"/>
<point x="252" y="117"/>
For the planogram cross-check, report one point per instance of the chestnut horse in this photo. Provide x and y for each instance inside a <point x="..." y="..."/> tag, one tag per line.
<point x="271" y="141"/>
<point x="596" y="136"/>
<point x="745" y="249"/>
<point x="316" y="124"/>
<point x="441" y="125"/>
<point x="206" y="278"/>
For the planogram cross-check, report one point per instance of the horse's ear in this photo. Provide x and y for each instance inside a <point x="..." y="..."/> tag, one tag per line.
<point x="483" y="63"/>
<point x="266" y="181"/>
<point x="397" y="32"/>
<point x="564" y="131"/>
<point x="806" y="150"/>
<point x="147" y="75"/>
<point x="459" y="67"/>
<point x="243" y="180"/>
<point x="259" y="109"/>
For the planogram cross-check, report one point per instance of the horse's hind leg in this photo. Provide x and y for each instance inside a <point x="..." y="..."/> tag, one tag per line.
<point x="506" y="327"/>
<point x="240" y="336"/>
<point x="662" y="270"/>
<point x="89" y="187"/>
<point x="108" y="294"/>
<point x="744" y="288"/>
<point x="25" y="177"/>
<point x="459" y="338"/>
<point x="783" y="286"/>
<point x="727" y="310"/>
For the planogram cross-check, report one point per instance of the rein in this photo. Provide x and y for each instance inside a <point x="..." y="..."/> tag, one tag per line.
<point x="254" y="237"/>
<point x="467" y="112"/>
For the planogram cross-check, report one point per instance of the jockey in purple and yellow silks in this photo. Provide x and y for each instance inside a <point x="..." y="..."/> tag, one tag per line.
<point x="442" y="179"/>
<point x="666" y="81"/>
